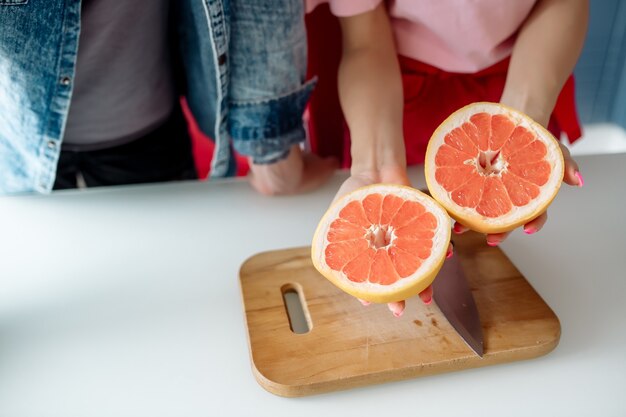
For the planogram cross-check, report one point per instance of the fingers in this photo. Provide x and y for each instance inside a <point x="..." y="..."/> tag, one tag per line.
<point x="531" y="227"/>
<point x="397" y="308"/>
<point x="365" y="303"/>
<point x="459" y="228"/>
<point x="495" y="239"/>
<point x="571" y="175"/>
<point x="427" y="295"/>
<point x="536" y="224"/>
<point x="450" y="250"/>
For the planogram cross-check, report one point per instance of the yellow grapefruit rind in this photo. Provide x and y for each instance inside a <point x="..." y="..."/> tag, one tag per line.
<point x="476" y="221"/>
<point x="405" y="287"/>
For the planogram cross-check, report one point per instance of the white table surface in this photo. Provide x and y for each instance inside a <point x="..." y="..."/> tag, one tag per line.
<point x="125" y="302"/>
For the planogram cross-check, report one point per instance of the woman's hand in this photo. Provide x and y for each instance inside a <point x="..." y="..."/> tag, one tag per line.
<point x="372" y="103"/>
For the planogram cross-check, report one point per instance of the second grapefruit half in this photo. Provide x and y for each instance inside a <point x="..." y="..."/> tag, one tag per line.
<point x="492" y="167"/>
<point x="382" y="243"/>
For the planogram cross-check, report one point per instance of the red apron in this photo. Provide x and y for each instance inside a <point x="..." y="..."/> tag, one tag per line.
<point x="430" y="95"/>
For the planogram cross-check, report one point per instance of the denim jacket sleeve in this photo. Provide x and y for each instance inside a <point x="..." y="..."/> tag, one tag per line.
<point x="267" y="92"/>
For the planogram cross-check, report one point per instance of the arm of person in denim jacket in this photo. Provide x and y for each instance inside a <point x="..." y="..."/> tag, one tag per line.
<point x="370" y="92"/>
<point x="544" y="55"/>
<point x="268" y="94"/>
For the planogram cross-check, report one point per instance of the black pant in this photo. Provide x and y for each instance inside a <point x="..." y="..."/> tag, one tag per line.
<point x="161" y="155"/>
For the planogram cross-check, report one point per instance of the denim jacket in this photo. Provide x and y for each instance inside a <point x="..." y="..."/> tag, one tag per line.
<point x="243" y="61"/>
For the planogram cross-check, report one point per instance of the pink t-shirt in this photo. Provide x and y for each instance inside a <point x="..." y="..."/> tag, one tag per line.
<point x="453" y="35"/>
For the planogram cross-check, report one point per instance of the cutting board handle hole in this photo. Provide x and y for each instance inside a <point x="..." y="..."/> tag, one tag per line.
<point x="296" y="308"/>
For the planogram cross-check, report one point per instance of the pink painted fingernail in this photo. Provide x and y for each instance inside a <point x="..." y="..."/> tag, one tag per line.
<point x="449" y="254"/>
<point x="456" y="228"/>
<point x="365" y="303"/>
<point x="581" y="182"/>
<point x="398" y="313"/>
<point x="490" y="243"/>
<point x="428" y="301"/>
<point x="530" y="230"/>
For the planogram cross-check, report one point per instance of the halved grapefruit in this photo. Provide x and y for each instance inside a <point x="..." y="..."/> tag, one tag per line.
<point x="382" y="243"/>
<point x="492" y="167"/>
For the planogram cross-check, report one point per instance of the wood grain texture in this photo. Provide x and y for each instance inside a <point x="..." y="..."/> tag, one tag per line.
<point x="350" y="345"/>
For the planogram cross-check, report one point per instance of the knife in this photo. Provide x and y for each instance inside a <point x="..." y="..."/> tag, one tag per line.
<point x="454" y="298"/>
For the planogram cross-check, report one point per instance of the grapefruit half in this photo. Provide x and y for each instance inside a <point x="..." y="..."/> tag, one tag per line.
<point x="492" y="167"/>
<point x="382" y="243"/>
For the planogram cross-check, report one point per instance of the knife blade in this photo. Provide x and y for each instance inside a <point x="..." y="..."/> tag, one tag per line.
<point x="454" y="298"/>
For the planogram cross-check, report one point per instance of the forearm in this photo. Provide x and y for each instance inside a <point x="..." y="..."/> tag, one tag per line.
<point x="370" y="91"/>
<point x="544" y="55"/>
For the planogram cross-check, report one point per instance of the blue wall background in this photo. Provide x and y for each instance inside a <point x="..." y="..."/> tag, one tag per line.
<point x="601" y="70"/>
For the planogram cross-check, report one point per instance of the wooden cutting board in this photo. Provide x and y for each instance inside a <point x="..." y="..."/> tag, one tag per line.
<point x="349" y="345"/>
